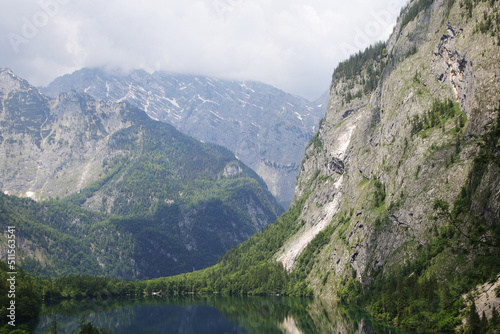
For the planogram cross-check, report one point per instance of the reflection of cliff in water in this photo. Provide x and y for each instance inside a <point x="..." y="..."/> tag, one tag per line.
<point x="333" y="317"/>
<point x="289" y="326"/>
<point x="211" y="314"/>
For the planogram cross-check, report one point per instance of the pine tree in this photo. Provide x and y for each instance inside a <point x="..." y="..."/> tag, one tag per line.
<point x="474" y="320"/>
<point x="484" y="323"/>
<point x="494" y="322"/>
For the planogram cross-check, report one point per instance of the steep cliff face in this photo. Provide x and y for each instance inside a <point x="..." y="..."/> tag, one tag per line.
<point x="384" y="154"/>
<point x="53" y="147"/>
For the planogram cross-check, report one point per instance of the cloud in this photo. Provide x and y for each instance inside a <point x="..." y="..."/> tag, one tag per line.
<point x="291" y="44"/>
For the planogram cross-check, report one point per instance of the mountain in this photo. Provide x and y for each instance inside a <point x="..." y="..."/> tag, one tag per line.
<point x="397" y="204"/>
<point x="401" y="165"/>
<point x="113" y="183"/>
<point x="265" y="127"/>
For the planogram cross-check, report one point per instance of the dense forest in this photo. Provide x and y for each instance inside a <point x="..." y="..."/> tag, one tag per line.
<point x="60" y="233"/>
<point x="366" y="66"/>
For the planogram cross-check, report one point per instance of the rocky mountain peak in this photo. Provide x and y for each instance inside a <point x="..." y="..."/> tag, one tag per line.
<point x="9" y="82"/>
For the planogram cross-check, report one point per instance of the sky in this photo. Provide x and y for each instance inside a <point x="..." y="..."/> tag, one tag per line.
<point x="293" y="45"/>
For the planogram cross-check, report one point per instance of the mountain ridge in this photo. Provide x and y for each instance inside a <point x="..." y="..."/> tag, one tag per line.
<point x="265" y="127"/>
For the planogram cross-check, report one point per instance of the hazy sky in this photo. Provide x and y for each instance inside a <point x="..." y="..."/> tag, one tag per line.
<point x="291" y="44"/>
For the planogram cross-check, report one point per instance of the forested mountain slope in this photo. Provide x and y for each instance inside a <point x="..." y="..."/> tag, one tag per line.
<point x="162" y="202"/>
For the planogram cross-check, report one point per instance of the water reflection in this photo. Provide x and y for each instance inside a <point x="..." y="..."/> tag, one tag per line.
<point x="211" y="314"/>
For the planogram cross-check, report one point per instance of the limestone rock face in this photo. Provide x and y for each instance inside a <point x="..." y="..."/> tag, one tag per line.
<point x="453" y="68"/>
<point x="374" y="170"/>
<point x="53" y="147"/>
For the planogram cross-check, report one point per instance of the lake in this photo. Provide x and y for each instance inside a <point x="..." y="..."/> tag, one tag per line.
<point x="210" y="314"/>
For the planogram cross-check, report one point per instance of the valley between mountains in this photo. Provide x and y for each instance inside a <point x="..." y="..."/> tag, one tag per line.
<point x="396" y="207"/>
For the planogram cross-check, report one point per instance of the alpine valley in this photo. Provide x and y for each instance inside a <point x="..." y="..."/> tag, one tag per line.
<point x="396" y="207"/>
<point x="118" y="194"/>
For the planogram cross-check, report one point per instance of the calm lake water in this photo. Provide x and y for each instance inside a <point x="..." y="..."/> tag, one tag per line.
<point x="211" y="314"/>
